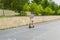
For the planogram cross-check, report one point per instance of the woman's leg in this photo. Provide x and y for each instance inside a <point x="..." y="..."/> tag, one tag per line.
<point x="33" y="23"/>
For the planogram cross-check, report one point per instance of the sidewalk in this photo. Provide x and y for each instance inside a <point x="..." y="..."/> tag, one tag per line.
<point x="42" y="31"/>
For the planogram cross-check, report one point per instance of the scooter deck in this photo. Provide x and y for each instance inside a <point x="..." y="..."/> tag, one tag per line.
<point x="31" y="26"/>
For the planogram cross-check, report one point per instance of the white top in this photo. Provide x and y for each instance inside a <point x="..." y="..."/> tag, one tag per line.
<point x="32" y="16"/>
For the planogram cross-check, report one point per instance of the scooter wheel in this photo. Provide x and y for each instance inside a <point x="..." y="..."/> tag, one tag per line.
<point x="33" y="26"/>
<point x="29" y="26"/>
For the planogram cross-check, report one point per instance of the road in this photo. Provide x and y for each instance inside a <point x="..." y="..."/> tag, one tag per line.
<point x="42" y="31"/>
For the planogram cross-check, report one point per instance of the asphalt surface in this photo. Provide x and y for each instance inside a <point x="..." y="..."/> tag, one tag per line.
<point x="42" y="31"/>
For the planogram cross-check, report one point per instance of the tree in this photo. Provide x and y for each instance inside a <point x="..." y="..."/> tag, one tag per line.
<point x="36" y="9"/>
<point x="53" y="6"/>
<point x="33" y="6"/>
<point x="58" y="12"/>
<point x="48" y="11"/>
<point x="7" y="4"/>
<point x="26" y="7"/>
<point x="41" y="10"/>
<point x="14" y="4"/>
<point x="56" y="9"/>
<point x="21" y="3"/>
<point x="38" y="1"/>
<point x="1" y="5"/>
<point x="45" y="3"/>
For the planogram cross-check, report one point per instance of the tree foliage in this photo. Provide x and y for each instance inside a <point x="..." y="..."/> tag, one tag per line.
<point x="43" y="7"/>
<point x="14" y="4"/>
<point x="26" y="7"/>
<point x="33" y="7"/>
<point x="38" y="1"/>
<point x="48" y="11"/>
<point x="58" y="12"/>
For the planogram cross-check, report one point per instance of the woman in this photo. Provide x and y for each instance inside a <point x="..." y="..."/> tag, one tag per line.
<point x="32" y="20"/>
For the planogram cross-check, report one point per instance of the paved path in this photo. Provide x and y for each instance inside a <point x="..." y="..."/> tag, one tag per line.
<point x="42" y="31"/>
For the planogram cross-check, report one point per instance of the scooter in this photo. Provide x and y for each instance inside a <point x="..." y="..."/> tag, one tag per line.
<point x="31" y="26"/>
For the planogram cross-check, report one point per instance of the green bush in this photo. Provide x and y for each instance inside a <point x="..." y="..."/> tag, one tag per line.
<point x="36" y="9"/>
<point x="26" y="7"/>
<point x="58" y="12"/>
<point x="48" y="11"/>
